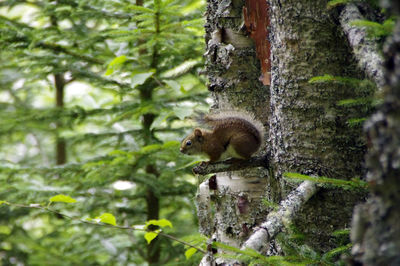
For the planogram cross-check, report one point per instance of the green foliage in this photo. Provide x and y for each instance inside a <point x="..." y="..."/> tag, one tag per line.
<point x="149" y="236"/>
<point x="160" y="223"/>
<point x="196" y="240"/>
<point x="375" y="29"/>
<point x="190" y="252"/>
<point x="270" y="204"/>
<point x="299" y="251"/>
<point x="341" y="80"/>
<point x="365" y="89"/>
<point x="107" y="218"/>
<point x="354" y="183"/>
<point x="252" y="257"/>
<point x="335" y="3"/>
<point x="62" y="198"/>
<point x="130" y="76"/>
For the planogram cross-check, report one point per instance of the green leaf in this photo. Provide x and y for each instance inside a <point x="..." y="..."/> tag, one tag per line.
<point x="149" y="236"/>
<point x="150" y="148"/>
<point x="173" y="84"/>
<point x="3" y="202"/>
<point x="62" y="198"/>
<point x="190" y="252"/>
<point x="140" y="78"/>
<point x="115" y="64"/>
<point x="107" y="218"/>
<point x="5" y="230"/>
<point x="171" y="144"/>
<point x="118" y="60"/>
<point x="182" y="112"/>
<point x="160" y="223"/>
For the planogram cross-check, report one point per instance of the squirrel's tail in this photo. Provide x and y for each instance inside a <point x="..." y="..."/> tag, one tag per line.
<point x="238" y="119"/>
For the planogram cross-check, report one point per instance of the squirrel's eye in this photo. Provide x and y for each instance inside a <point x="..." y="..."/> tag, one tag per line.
<point x="188" y="143"/>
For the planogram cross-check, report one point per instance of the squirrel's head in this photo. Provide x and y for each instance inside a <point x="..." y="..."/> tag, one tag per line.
<point x="192" y="143"/>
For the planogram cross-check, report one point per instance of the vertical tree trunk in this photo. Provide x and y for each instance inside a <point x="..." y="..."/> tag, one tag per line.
<point x="61" y="151"/>
<point x="146" y="94"/>
<point x="235" y="79"/>
<point x="376" y="228"/>
<point x="309" y="131"/>
<point x="59" y="83"/>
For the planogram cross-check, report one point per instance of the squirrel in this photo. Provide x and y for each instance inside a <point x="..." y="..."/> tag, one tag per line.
<point x="234" y="134"/>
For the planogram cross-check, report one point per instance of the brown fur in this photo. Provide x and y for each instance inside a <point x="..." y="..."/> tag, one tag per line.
<point x="234" y="134"/>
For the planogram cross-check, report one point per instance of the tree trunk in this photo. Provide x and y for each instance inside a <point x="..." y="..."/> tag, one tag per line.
<point x="307" y="130"/>
<point x="376" y="228"/>
<point x="61" y="151"/>
<point x="234" y="73"/>
<point x="59" y="84"/>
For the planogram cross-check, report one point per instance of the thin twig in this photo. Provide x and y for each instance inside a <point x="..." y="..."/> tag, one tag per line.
<point x="102" y="224"/>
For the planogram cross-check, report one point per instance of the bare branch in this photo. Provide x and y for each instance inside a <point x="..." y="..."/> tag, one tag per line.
<point x="288" y="209"/>
<point x="365" y="50"/>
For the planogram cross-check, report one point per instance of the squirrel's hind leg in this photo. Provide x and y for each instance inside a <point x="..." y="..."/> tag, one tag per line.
<point x="242" y="146"/>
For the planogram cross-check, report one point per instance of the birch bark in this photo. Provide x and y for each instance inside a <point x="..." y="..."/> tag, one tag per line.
<point x="231" y="205"/>
<point x="307" y="131"/>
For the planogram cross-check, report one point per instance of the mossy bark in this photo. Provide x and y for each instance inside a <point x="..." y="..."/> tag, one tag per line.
<point x="309" y="131"/>
<point x="234" y="81"/>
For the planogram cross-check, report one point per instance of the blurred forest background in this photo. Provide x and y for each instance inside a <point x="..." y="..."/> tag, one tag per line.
<point x="93" y="95"/>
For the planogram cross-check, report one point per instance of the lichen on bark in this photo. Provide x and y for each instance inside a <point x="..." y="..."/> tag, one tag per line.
<point x="233" y="72"/>
<point x="309" y="130"/>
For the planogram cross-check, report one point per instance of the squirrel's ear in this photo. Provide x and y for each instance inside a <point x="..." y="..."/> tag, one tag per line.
<point x="198" y="133"/>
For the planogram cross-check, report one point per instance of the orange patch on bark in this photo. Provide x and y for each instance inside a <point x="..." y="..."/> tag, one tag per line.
<point x="256" y="20"/>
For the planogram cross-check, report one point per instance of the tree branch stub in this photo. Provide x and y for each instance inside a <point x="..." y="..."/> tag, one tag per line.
<point x="233" y="164"/>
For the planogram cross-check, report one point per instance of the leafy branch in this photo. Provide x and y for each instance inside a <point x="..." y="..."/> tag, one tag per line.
<point x="354" y="183"/>
<point x="107" y="220"/>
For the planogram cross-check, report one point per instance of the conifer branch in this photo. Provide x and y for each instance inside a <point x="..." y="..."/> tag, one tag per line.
<point x="94" y="136"/>
<point x="47" y="45"/>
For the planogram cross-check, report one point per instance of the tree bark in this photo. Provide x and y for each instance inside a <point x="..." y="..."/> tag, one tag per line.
<point x="376" y="228"/>
<point x="365" y="50"/>
<point x="309" y="131"/>
<point x="230" y="204"/>
<point x="61" y="150"/>
<point x="59" y="84"/>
